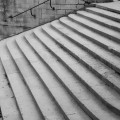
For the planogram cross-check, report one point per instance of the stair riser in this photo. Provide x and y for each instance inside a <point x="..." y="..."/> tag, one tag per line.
<point x="60" y="109"/>
<point x="99" y="43"/>
<point x="109" y="9"/>
<point x="15" y="100"/>
<point x="103" y="15"/>
<point x="91" y="52"/>
<point x="99" y="22"/>
<point x="18" y="106"/>
<point x="31" y="93"/>
<point x="97" y="31"/>
<point x="107" y="82"/>
<point x="72" y="62"/>
<point x="109" y="106"/>
<point x="90" y="114"/>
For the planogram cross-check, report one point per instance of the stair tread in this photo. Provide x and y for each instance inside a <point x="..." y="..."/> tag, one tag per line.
<point x="9" y="110"/>
<point x="95" y="64"/>
<point x="40" y="94"/>
<point x="96" y="26"/>
<point x="111" y="58"/>
<point x="67" y="69"/>
<point x="81" y="71"/>
<point x="7" y="101"/>
<point x="55" y="88"/>
<point x="112" y="6"/>
<point x="56" y="69"/>
<point x="22" y="96"/>
<point x="99" y="18"/>
<point x="105" y="12"/>
<point x="100" y="39"/>
<point x="87" y="102"/>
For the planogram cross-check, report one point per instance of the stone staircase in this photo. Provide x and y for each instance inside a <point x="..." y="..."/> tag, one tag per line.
<point x="68" y="69"/>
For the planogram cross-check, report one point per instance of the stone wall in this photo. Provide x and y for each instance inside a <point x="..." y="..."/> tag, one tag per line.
<point x="43" y="13"/>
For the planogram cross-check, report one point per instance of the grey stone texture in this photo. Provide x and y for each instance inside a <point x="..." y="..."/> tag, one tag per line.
<point x="43" y="13"/>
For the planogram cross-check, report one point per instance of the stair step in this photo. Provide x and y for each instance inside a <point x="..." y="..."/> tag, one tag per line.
<point x="8" y="104"/>
<point x="109" y="33"/>
<point x="100" y="20"/>
<point x="67" y="69"/>
<point x="94" y="65"/>
<point x="113" y="6"/>
<point x="108" y="58"/>
<point x="57" y="69"/>
<point x="104" y="13"/>
<point x="97" y="110"/>
<point x="9" y="110"/>
<point x="82" y="74"/>
<point x="42" y="97"/>
<point x="25" y="102"/>
<point x="100" y="40"/>
<point x="65" y="102"/>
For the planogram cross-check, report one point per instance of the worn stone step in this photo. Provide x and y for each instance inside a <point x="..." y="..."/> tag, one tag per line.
<point x="106" y="57"/>
<point x="9" y="108"/>
<point x="68" y="69"/>
<point x="104" y="42"/>
<point x="112" y="6"/>
<point x="65" y="102"/>
<point x="57" y="67"/>
<point x="100" y="40"/>
<point x="32" y="80"/>
<point x="100" y="20"/>
<point x="22" y="95"/>
<point x="104" y="13"/>
<point x="87" y="104"/>
<point x="80" y="71"/>
<point x="102" y="30"/>
<point x="82" y="56"/>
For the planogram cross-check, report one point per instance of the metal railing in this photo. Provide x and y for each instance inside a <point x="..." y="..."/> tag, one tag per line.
<point x="30" y="9"/>
<point x="85" y="3"/>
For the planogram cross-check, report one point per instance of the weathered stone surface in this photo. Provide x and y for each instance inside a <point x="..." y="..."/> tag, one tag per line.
<point x="68" y="69"/>
<point x="43" y="13"/>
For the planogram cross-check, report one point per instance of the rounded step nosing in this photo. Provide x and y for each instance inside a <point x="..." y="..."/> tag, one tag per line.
<point x="58" y="105"/>
<point x="88" y="112"/>
<point x="97" y="31"/>
<point x="33" y="98"/>
<point x="108" y="9"/>
<point x="112" y="108"/>
<point x="99" y="22"/>
<point x="87" y="66"/>
<point x="103" y="15"/>
<point x="96" y="42"/>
